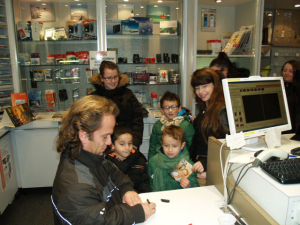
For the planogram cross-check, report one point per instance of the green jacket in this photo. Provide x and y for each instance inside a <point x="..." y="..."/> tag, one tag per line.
<point x="161" y="165"/>
<point x="155" y="137"/>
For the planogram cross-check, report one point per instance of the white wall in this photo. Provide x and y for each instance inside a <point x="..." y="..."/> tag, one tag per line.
<point x="225" y="21"/>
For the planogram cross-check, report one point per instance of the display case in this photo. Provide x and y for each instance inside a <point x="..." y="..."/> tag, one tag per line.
<point x="41" y="55"/>
<point x="6" y="80"/>
<point x="230" y="17"/>
<point x="53" y="51"/>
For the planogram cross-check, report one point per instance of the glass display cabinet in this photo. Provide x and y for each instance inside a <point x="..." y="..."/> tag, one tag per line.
<point x="55" y="37"/>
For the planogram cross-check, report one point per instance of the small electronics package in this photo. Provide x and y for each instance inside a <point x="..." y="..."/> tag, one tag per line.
<point x="130" y="27"/>
<point x="113" y="27"/>
<point x="145" y="24"/>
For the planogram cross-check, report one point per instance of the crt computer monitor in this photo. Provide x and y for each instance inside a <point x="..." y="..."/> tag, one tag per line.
<point x="255" y="105"/>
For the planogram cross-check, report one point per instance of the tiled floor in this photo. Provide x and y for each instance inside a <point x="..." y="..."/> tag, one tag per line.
<point x="30" y="207"/>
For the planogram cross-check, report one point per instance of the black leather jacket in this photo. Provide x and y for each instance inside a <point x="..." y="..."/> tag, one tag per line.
<point x="89" y="190"/>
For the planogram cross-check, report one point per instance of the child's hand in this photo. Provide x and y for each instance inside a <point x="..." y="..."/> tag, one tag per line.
<point x="198" y="167"/>
<point x="185" y="183"/>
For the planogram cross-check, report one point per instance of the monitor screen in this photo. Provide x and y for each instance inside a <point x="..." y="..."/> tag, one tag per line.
<point x="256" y="104"/>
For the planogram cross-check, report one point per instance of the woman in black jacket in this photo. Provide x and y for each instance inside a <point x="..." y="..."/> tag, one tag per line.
<point x="291" y="83"/>
<point x="113" y="85"/>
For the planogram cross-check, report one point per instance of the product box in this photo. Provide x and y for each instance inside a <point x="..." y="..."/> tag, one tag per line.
<point x="90" y="29"/>
<point x="37" y="31"/>
<point x="130" y="27"/>
<point x="24" y="59"/>
<point x="168" y="27"/>
<point x="145" y="24"/>
<point x="74" y="28"/>
<point x="214" y="45"/>
<point x="35" y="59"/>
<point x="113" y="27"/>
<point x="24" y="31"/>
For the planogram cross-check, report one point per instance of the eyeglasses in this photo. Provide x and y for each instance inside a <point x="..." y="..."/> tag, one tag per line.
<point x="172" y="107"/>
<point x="111" y="78"/>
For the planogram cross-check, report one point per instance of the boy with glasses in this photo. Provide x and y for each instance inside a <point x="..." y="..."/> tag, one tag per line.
<point x="172" y="115"/>
<point x="110" y="83"/>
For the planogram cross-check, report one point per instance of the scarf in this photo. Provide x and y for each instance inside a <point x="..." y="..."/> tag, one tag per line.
<point x="163" y="164"/>
<point x="166" y="122"/>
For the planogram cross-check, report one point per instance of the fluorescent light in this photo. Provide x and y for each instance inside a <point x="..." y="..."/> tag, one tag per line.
<point x="142" y="7"/>
<point x="297" y="5"/>
<point x="159" y="1"/>
<point x="78" y="4"/>
<point x="177" y="8"/>
<point x="155" y="6"/>
<point x="126" y="0"/>
<point x="218" y="1"/>
<point x="44" y="4"/>
<point x="66" y="5"/>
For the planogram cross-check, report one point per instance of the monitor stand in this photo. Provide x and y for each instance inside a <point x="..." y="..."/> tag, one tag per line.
<point x="255" y="144"/>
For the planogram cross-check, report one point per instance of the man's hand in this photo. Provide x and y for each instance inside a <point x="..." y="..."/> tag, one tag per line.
<point x="184" y="182"/>
<point x="131" y="198"/>
<point x="149" y="209"/>
<point x="198" y="167"/>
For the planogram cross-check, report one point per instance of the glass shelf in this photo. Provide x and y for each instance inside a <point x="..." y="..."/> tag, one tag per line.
<point x="59" y="42"/>
<point x="54" y="65"/>
<point x="128" y="36"/>
<point x="230" y="56"/>
<point x="145" y="63"/>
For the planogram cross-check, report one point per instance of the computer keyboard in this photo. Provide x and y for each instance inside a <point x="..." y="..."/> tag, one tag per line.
<point x="284" y="171"/>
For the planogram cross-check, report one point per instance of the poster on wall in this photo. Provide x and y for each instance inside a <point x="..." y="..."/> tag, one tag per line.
<point x="208" y="20"/>
<point x="79" y="12"/>
<point x="160" y="13"/>
<point x="42" y="12"/>
<point x="125" y="11"/>
<point x="97" y="57"/>
<point x="5" y="166"/>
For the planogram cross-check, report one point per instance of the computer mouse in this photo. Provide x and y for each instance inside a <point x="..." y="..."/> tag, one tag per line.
<point x="296" y="151"/>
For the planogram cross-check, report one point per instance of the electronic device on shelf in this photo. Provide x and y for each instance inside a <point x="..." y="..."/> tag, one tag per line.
<point x="254" y="105"/>
<point x="284" y="171"/>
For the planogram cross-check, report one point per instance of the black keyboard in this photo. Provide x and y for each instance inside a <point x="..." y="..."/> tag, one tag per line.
<point x="284" y="171"/>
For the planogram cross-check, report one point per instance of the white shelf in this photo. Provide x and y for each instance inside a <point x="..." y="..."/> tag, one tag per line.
<point x="230" y="56"/>
<point x="146" y="37"/>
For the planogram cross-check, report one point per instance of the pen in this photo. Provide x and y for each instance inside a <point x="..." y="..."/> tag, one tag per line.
<point x="292" y="156"/>
<point x="148" y="201"/>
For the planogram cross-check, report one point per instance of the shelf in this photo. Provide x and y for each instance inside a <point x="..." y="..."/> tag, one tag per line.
<point x="5" y="99"/>
<point x="146" y="63"/>
<point x="128" y="36"/>
<point x="230" y="56"/>
<point x="58" y="42"/>
<point x="157" y="84"/>
<point x="55" y="65"/>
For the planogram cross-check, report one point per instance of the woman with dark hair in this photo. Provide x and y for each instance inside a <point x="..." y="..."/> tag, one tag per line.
<point x="110" y="83"/>
<point x="212" y="117"/>
<point x="229" y="70"/>
<point x="288" y="72"/>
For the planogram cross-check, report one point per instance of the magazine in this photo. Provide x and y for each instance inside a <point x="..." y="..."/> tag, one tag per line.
<point x="182" y="169"/>
<point x="16" y="116"/>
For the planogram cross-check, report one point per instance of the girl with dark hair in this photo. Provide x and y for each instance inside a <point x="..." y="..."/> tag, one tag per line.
<point x="229" y="70"/>
<point x="288" y="72"/>
<point x="212" y="117"/>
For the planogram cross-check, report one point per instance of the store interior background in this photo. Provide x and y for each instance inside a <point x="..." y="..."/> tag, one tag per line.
<point x="28" y="208"/>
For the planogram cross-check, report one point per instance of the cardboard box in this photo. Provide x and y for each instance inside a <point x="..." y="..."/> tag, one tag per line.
<point x="113" y="27"/>
<point x="130" y="27"/>
<point x="145" y="24"/>
<point x="37" y="31"/>
<point x="24" y="31"/>
<point x="168" y="27"/>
